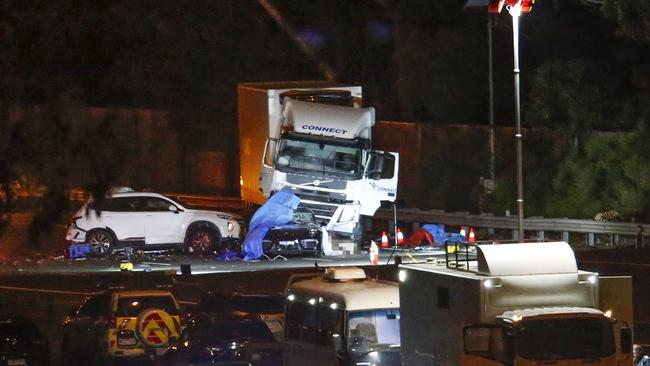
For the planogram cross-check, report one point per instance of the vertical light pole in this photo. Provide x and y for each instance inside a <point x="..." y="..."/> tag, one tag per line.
<point x="515" y="8"/>
<point x="515" y="12"/>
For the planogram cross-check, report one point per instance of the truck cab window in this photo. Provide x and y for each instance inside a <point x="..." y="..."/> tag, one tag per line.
<point x="381" y="165"/>
<point x="373" y="328"/>
<point x="389" y="167"/>
<point x="319" y="157"/>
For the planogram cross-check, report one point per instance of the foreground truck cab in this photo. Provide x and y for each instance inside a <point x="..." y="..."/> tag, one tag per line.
<point x="314" y="138"/>
<point x="517" y="305"/>
<point x="342" y="318"/>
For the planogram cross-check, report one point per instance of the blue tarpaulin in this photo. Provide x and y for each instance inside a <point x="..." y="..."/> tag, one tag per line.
<point x="437" y="231"/>
<point x="79" y="250"/>
<point x="277" y="211"/>
<point x="441" y="237"/>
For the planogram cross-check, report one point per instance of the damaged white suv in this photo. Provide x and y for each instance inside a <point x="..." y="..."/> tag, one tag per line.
<point x="151" y="221"/>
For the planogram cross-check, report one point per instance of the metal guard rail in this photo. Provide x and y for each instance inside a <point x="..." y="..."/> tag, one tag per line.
<point x="510" y="222"/>
<point x="447" y="218"/>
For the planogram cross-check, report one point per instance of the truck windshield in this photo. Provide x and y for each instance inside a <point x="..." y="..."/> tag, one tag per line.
<point x="319" y="156"/>
<point x="371" y="329"/>
<point x="562" y="339"/>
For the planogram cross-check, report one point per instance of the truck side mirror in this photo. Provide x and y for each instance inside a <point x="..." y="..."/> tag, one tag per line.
<point x="376" y="166"/>
<point x="626" y="340"/>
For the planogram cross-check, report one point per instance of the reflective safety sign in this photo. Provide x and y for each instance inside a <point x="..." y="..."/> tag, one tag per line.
<point x="156" y="327"/>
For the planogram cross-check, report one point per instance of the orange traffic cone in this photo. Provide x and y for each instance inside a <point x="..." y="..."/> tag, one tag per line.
<point x="471" y="238"/>
<point x="400" y="237"/>
<point x="374" y="253"/>
<point x="384" y="240"/>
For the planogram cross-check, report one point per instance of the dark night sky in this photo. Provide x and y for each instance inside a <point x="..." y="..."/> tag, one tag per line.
<point x="422" y="61"/>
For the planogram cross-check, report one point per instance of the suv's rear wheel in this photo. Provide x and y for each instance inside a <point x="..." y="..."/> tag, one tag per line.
<point x="202" y="239"/>
<point x="157" y="335"/>
<point x="101" y="241"/>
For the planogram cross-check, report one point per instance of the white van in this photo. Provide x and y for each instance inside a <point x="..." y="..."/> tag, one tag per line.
<point x="342" y="318"/>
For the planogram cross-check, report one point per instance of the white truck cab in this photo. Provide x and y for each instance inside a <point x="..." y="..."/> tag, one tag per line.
<point x="342" y="318"/>
<point x="314" y="138"/>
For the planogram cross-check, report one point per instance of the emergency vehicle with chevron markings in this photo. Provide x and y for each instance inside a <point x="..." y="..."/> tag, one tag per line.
<point x="120" y="324"/>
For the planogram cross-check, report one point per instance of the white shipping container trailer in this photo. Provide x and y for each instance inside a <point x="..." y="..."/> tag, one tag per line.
<point x="514" y="304"/>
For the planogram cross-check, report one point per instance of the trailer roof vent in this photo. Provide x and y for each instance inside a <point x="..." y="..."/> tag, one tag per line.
<point x="344" y="274"/>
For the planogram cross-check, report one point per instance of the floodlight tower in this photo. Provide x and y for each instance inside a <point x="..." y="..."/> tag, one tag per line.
<point x="515" y="8"/>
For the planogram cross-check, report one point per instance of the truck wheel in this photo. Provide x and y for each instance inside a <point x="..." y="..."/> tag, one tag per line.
<point x="202" y="240"/>
<point x="101" y="242"/>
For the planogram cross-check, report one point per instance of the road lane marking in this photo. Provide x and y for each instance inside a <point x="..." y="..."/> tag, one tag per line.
<point x="27" y="289"/>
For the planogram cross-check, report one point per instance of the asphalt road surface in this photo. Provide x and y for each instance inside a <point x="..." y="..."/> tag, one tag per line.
<point x="202" y="265"/>
<point x="46" y="289"/>
<point x="48" y="297"/>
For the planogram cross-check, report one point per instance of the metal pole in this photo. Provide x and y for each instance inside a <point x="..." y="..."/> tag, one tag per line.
<point x="515" y="11"/>
<point x="395" y="223"/>
<point x="394" y="231"/>
<point x="490" y="24"/>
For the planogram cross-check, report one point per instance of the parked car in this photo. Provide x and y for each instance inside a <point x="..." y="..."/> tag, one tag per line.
<point x="144" y="220"/>
<point x="117" y="324"/>
<point x="267" y="306"/>
<point x="225" y="340"/>
<point x="22" y="343"/>
<point x="301" y="237"/>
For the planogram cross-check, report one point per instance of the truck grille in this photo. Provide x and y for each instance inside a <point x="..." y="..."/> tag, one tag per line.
<point x="311" y="181"/>
<point x="323" y="204"/>
<point x="320" y="196"/>
<point x="323" y="212"/>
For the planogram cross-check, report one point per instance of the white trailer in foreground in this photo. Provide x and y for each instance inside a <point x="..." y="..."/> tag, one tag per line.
<point x="516" y="305"/>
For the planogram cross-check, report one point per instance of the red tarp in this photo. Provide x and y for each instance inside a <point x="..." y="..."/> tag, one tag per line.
<point x="420" y="237"/>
